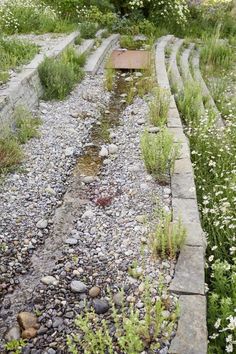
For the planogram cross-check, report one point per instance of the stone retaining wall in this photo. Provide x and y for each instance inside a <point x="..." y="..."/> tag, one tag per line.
<point x="189" y="278"/>
<point x="26" y="89"/>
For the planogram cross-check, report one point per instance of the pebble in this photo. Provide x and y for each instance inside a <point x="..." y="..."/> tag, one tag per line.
<point x="13" y="334"/>
<point x="141" y="121"/>
<point x="69" y="151"/>
<point x="153" y="130"/>
<point x="42" y="224"/>
<point x="49" y="280"/>
<point x="71" y="241"/>
<point x="94" y="291"/>
<point x="27" y="320"/>
<point x="100" y="306"/>
<point x="103" y="152"/>
<point x="78" y="287"/>
<point x="113" y="149"/>
<point x="118" y="299"/>
<point x="88" y="179"/>
<point x="29" y="333"/>
<point x="88" y="214"/>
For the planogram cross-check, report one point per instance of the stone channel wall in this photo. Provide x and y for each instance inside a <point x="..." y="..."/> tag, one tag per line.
<point x="26" y="89"/>
<point x="189" y="278"/>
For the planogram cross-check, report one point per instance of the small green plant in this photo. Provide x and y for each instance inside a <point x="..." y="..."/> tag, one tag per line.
<point x="168" y="238"/>
<point x="134" y="270"/>
<point x="88" y="30"/>
<point x="159" y="153"/>
<point x="109" y="78"/>
<point x="59" y="75"/>
<point x="10" y="152"/>
<point x="159" y="107"/>
<point x="15" y="346"/>
<point x="129" y="42"/>
<point x="133" y="331"/>
<point x="26" y="124"/>
<point x="78" y="40"/>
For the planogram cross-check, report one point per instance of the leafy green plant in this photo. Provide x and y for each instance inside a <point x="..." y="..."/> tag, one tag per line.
<point x="26" y="124"/>
<point x="159" y="107"/>
<point x="159" y="153"/>
<point x="14" y="53"/>
<point x="59" y="75"/>
<point x="15" y="346"/>
<point x="168" y="238"/>
<point x="78" y="40"/>
<point x="10" y="153"/>
<point x="88" y="30"/>
<point x="129" y="42"/>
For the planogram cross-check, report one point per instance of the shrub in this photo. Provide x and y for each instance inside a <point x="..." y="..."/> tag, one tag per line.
<point x="88" y="30"/>
<point x="25" y="16"/>
<point x="159" y="153"/>
<point x="159" y="107"/>
<point x="128" y="42"/>
<point x="26" y="125"/>
<point x="59" y="75"/>
<point x="168" y="238"/>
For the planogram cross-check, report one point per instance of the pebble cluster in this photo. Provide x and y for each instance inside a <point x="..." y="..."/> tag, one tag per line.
<point x="96" y="226"/>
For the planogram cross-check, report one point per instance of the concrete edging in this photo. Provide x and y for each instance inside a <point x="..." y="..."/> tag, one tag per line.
<point x="98" y="56"/>
<point x="189" y="278"/>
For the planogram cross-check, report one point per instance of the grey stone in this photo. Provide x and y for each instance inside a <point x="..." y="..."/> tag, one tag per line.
<point x="13" y="334"/>
<point x="100" y="306"/>
<point x="42" y="224"/>
<point x="191" y="336"/>
<point x="49" y="280"/>
<point x="113" y="149"/>
<point x="88" y="179"/>
<point x="69" y="151"/>
<point x="189" y="275"/>
<point x="103" y="152"/>
<point x="118" y="298"/>
<point x="184" y="151"/>
<point x="183" y="186"/>
<point x="78" y="287"/>
<point x="174" y="120"/>
<point x="195" y="235"/>
<point x="187" y="209"/>
<point x="88" y="214"/>
<point x="178" y="135"/>
<point x="183" y="166"/>
<point x="57" y="322"/>
<point x="71" y="241"/>
<point x="153" y="130"/>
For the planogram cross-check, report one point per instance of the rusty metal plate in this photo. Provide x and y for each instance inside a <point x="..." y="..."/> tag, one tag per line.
<point x="129" y="59"/>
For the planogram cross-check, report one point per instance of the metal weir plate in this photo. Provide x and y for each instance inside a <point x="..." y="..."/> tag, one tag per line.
<point x="129" y="59"/>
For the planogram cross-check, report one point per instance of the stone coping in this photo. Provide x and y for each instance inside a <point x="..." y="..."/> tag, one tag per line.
<point x="189" y="278"/>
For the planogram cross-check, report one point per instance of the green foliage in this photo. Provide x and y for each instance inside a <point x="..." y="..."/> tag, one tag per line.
<point x="129" y="42"/>
<point x="59" y="75"/>
<point x="78" y="40"/>
<point x="15" y="346"/>
<point x="25" y="16"/>
<point x="132" y="331"/>
<point x="159" y="153"/>
<point x="10" y="153"/>
<point x="168" y="238"/>
<point x="216" y="53"/>
<point x="109" y="78"/>
<point x="14" y="53"/>
<point x="88" y="30"/>
<point x="26" y="124"/>
<point x="159" y="107"/>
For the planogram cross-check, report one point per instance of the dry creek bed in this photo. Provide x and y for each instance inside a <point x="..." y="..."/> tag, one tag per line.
<point x="71" y="221"/>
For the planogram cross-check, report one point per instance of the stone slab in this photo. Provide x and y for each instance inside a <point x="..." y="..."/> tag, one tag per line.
<point x="174" y="120"/>
<point x="178" y="135"/>
<point x="191" y="336"/>
<point x="187" y="209"/>
<point x="98" y="56"/>
<point x="85" y="47"/>
<point x="184" y="151"/>
<point x="183" y="186"/>
<point x="183" y="166"/>
<point x="195" y="235"/>
<point x="189" y="275"/>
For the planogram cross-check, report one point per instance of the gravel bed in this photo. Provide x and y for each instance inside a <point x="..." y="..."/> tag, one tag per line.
<point x="94" y="235"/>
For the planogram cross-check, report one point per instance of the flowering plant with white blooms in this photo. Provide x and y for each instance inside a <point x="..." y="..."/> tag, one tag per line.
<point x="164" y="10"/>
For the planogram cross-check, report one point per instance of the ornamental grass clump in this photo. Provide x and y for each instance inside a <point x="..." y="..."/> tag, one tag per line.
<point x="159" y="106"/>
<point x="168" y="238"/>
<point x="26" y="125"/>
<point x="159" y="153"/>
<point x="59" y="75"/>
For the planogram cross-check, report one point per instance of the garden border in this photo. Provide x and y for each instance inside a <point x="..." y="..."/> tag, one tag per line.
<point x="189" y="278"/>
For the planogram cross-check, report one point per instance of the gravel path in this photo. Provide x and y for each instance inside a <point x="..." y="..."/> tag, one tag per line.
<point x="66" y="229"/>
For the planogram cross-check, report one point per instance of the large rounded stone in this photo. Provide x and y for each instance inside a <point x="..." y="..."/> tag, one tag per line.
<point x="29" y="333"/>
<point x="13" y="334"/>
<point x="100" y="306"/>
<point x="49" y="280"/>
<point x="78" y="287"/>
<point x="27" y="320"/>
